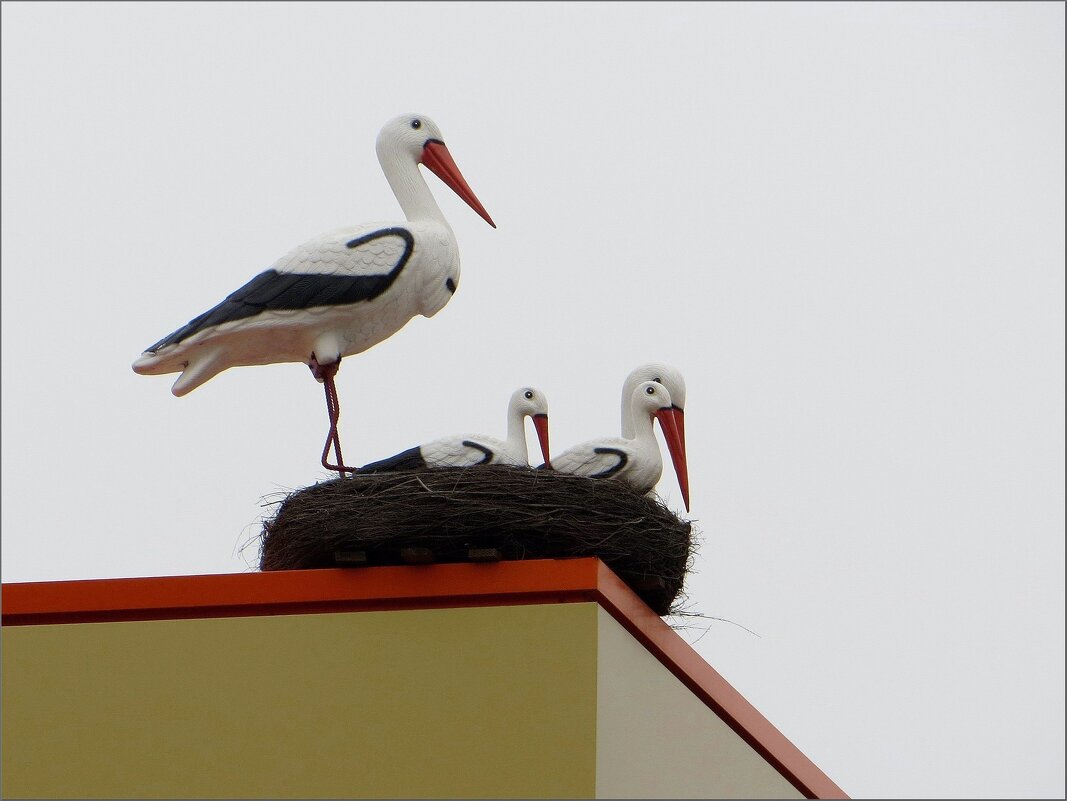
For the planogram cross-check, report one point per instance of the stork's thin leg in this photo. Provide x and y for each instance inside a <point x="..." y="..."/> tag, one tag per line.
<point x="333" y="409"/>
<point x="326" y="373"/>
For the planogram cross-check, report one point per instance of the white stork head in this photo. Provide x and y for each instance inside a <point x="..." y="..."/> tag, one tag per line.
<point x="531" y="402"/>
<point x="664" y="374"/>
<point x="416" y="139"/>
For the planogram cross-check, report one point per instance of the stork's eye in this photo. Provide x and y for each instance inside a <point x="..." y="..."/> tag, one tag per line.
<point x="650" y="390"/>
<point x="416" y="124"/>
<point x="528" y="394"/>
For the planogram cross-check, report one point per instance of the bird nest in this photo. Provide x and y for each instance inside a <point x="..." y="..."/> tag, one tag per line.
<point x="483" y="514"/>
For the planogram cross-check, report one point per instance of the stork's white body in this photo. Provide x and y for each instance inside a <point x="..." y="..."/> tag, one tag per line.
<point x="636" y="459"/>
<point x="340" y="293"/>
<point x="328" y="331"/>
<point x="469" y="450"/>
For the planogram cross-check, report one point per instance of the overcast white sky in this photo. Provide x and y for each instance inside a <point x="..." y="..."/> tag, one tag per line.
<point x="843" y="223"/>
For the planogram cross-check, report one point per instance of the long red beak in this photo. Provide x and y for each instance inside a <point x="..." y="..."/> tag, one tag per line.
<point x="540" y="422"/>
<point x="679" y="423"/>
<point x="439" y="161"/>
<point x="676" y="446"/>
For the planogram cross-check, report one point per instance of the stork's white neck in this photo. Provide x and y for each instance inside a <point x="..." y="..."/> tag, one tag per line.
<point x="629" y="411"/>
<point x="517" y="432"/>
<point x="633" y="407"/>
<point x="408" y="185"/>
<point x="648" y="459"/>
<point x="640" y="423"/>
<point x="643" y="437"/>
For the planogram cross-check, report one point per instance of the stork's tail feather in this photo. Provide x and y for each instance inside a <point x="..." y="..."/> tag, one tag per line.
<point x="196" y="366"/>
<point x="152" y="363"/>
<point x="204" y="366"/>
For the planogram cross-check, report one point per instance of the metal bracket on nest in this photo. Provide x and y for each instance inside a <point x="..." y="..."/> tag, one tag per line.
<point x="484" y="554"/>
<point x="350" y="558"/>
<point x="417" y="556"/>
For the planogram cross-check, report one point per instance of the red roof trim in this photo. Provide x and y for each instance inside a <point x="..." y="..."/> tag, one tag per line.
<point x="415" y="587"/>
<point x="299" y="592"/>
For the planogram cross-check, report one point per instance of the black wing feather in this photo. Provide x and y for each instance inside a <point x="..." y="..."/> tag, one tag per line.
<point x="411" y="459"/>
<point x="487" y="454"/>
<point x="623" y="459"/>
<point x="275" y="291"/>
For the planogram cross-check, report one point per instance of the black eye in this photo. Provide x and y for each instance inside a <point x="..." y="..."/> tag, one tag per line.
<point x="416" y="124"/>
<point x="528" y="394"/>
<point x="650" y="390"/>
<point x="657" y="380"/>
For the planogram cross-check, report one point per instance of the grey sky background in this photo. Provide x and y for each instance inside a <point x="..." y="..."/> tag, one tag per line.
<point x="844" y="223"/>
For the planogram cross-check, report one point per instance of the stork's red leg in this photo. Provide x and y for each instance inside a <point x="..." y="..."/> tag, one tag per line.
<point x="325" y="374"/>
<point x="333" y="409"/>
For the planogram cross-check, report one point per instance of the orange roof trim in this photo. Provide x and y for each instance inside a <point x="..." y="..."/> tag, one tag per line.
<point x="415" y="587"/>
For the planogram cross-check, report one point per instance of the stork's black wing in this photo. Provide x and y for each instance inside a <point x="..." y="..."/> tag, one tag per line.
<point x="411" y="459"/>
<point x="370" y="265"/>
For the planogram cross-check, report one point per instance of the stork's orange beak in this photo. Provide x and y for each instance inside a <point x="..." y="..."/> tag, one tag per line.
<point x="679" y="423"/>
<point x="676" y="446"/>
<point x="540" y="422"/>
<point x="439" y="161"/>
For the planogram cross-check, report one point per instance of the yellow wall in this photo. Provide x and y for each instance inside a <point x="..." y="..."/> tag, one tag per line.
<point x="480" y="702"/>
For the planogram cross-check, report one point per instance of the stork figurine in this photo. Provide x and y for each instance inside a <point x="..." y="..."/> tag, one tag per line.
<point x="635" y="459"/>
<point x="664" y="374"/>
<point x="474" y="449"/>
<point x="340" y="293"/>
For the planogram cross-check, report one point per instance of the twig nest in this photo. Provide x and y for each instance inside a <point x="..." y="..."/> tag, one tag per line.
<point x="458" y="514"/>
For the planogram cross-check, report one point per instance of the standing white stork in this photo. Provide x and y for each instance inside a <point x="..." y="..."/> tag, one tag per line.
<point x="475" y="449"/>
<point x="672" y="379"/>
<point x="635" y="459"/>
<point x="340" y="293"/>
